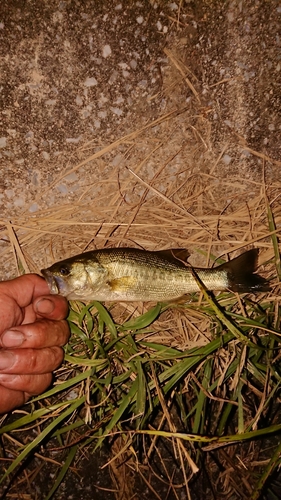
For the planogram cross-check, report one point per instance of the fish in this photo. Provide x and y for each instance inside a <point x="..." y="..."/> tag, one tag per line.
<point x="131" y="274"/>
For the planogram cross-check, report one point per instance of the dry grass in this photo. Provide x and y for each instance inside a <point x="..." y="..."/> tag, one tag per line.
<point x="161" y="186"/>
<point x="163" y="194"/>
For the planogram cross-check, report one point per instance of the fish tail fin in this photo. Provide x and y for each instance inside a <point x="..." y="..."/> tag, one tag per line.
<point x="240" y="273"/>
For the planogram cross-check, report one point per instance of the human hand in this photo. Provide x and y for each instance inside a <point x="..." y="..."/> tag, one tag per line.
<point x="32" y="331"/>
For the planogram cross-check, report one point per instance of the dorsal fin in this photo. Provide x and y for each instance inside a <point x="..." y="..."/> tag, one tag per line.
<point x="174" y="254"/>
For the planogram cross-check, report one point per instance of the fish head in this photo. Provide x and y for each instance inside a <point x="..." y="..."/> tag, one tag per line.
<point x="72" y="279"/>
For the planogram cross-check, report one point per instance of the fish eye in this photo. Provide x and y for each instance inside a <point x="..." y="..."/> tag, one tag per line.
<point x="64" y="271"/>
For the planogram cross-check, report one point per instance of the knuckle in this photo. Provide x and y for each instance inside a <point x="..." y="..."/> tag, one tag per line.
<point x="33" y="361"/>
<point x="48" y="332"/>
<point x="56" y="357"/>
<point x="60" y="332"/>
<point x="45" y="360"/>
<point x="66" y="331"/>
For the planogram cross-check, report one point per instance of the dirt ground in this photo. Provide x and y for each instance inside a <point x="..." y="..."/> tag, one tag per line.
<point x="114" y="110"/>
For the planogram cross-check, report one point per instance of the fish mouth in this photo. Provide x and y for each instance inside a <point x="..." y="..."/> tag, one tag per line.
<point x="49" y="277"/>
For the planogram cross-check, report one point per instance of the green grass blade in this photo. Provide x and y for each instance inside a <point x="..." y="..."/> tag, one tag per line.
<point x="26" y="420"/>
<point x="197" y="438"/>
<point x="126" y="401"/>
<point x="237" y="332"/>
<point x="240" y="408"/>
<point x="200" y="415"/>
<point x="64" y="385"/>
<point x="142" y="389"/>
<point x="177" y="371"/>
<point x="105" y="317"/>
<point x="142" y="321"/>
<point x="273" y="464"/>
<point x="63" y="471"/>
<point x="47" y="431"/>
<point x="76" y="360"/>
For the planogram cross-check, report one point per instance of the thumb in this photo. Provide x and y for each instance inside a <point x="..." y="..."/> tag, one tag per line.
<point x="51" y="307"/>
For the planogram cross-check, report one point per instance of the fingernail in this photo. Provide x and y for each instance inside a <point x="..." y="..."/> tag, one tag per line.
<point x="44" y="306"/>
<point x="7" y="360"/>
<point x="12" y="338"/>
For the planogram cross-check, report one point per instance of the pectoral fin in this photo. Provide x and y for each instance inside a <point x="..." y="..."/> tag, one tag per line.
<point x="122" y="284"/>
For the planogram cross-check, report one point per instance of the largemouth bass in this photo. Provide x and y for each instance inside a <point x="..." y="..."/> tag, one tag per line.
<point x="129" y="274"/>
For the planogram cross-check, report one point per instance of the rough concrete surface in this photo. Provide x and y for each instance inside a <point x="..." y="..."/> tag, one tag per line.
<point x="71" y="72"/>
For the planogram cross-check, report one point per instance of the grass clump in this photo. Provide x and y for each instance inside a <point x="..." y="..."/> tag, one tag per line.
<point x="119" y="386"/>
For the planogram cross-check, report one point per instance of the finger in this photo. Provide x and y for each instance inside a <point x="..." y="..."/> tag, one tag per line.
<point x="43" y="333"/>
<point x="10" y="399"/>
<point x="30" y="384"/>
<point x="30" y="361"/>
<point x="25" y="289"/>
<point x="51" y="306"/>
<point x="16" y="297"/>
<point x="47" y="306"/>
